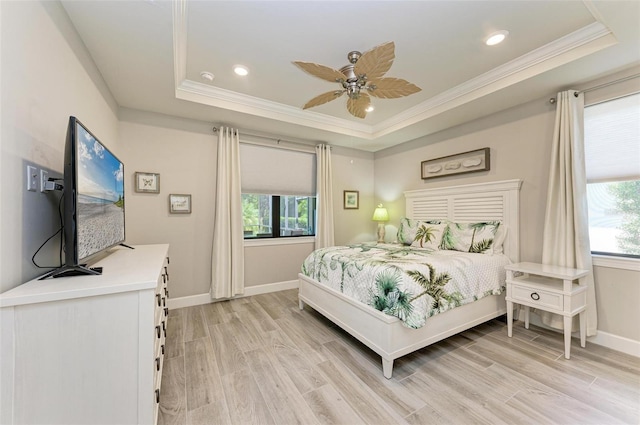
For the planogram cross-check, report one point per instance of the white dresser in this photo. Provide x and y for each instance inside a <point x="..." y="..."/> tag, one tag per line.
<point x="86" y="349"/>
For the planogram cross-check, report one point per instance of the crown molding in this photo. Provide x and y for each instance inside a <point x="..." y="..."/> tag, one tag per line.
<point x="577" y="44"/>
<point x="221" y="98"/>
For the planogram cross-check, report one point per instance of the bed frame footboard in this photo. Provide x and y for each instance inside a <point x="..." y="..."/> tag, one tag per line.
<point x="385" y="334"/>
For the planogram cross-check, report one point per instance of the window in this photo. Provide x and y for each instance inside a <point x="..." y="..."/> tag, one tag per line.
<point x="278" y="188"/>
<point x="272" y="216"/>
<point x="612" y="156"/>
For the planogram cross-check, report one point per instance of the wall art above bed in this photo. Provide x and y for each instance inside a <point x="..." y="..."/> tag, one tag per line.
<point x="461" y="163"/>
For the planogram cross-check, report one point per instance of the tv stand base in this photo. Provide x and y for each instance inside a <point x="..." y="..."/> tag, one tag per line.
<point x="79" y="270"/>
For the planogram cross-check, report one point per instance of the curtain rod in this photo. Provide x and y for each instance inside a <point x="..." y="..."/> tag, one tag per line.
<point x="309" y="147"/>
<point x="599" y="86"/>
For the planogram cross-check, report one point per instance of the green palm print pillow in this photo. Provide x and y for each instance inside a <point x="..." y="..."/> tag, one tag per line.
<point x="428" y="235"/>
<point x="481" y="237"/>
<point x="408" y="228"/>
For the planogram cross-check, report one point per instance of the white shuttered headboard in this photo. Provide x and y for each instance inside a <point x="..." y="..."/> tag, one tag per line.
<point x="470" y="203"/>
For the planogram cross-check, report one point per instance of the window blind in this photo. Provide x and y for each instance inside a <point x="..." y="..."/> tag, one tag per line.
<point x="274" y="171"/>
<point x="612" y="140"/>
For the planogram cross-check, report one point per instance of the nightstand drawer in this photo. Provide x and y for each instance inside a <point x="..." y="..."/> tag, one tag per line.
<point x="537" y="297"/>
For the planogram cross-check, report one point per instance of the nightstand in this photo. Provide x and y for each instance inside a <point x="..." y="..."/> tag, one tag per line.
<point x="551" y="288"/>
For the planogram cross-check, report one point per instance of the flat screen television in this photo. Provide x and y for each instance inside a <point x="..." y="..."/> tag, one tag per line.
<point x="93" y="218"/>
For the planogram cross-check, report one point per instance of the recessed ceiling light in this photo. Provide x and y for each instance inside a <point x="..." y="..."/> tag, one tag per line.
<point x="497" y="37"/>
<point x="369" y="108"/>
<point x="207" y="76"/>
<point x="241" y="70"/>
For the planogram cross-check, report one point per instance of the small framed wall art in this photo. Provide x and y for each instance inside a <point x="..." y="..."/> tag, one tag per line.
<point x="179" y="204"/>
<point x="147" y="182"/>
<point x="351" y="199"/>
<point x="461" y="163"/>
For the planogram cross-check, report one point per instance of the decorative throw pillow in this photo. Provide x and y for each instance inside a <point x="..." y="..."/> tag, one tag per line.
<point x="408" y="228"/>
<point x="473" y="237"/>
<point x="428" y="235"/>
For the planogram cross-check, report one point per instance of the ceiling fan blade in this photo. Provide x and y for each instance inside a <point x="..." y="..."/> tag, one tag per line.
<point x="377" y="61"/>
<point x="320" y="71"/>
<point x="323" y="98"/>
<point x="390" y="88"/>
<point x="357" y="107"/>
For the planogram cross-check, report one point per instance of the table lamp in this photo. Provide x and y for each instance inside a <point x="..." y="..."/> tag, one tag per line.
<point x="380" y="215"/>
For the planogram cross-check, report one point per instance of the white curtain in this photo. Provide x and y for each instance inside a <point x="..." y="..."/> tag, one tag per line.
<point x="566" y="226"/>
<point x="324" y="200"/>
<point x="227" y="260"/>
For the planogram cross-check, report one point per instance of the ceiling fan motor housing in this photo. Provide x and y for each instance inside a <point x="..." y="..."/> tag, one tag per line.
<point x="353" y="83"/>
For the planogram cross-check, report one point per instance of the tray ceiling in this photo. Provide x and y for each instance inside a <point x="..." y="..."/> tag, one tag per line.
<point x="152" y="53"/>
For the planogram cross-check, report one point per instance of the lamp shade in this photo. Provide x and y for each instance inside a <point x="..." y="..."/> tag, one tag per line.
<point x="380" y="214"/>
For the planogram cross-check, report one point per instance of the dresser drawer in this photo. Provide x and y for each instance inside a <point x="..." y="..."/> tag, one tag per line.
<point x="537" y="298"/>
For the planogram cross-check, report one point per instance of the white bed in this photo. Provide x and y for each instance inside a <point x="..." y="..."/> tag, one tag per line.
<point x="385" y="334"/>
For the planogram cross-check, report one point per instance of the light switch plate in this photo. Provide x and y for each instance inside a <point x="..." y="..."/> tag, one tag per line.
<point x="32" y="178"/>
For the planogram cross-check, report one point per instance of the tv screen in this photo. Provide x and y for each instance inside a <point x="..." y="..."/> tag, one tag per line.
<point x="93" y="201"/>
<point x="99" y="195"/>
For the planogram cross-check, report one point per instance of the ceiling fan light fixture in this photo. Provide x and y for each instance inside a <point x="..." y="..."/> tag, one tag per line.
<point x="496" y="38"/>
<point x="241" y="70"/>
<point x="369" y="108"/>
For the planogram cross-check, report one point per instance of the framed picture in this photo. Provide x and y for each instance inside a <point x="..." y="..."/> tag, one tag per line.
<point x="460" y="163"/>
<point x="179" y="204"/>
<point x="147" y="182"/>
<point x="351" y="200"/>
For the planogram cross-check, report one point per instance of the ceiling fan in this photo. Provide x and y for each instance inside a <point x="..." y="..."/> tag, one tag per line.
<point x="361" y="78"/>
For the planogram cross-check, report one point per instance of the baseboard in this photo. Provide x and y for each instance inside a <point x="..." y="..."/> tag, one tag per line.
<point x="188" y="301"/>
<point x="615" y="342"/>
<point x="270" y="287"/>
<point x="605" y="339"/>
<point x="248" y="291"/>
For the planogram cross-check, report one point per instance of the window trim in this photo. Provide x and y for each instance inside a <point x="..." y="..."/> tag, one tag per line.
<point x="283" y="240"/>
<point x="616" y="262"/>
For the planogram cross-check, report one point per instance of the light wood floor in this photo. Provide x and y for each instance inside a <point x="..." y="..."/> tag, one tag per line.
<point x="260" y="360"/>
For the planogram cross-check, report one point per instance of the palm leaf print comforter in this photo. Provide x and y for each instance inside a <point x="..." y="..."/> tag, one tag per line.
<point x="409" y="283"/>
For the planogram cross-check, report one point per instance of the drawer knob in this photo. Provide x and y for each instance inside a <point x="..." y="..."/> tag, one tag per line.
<point x="158" y="363"/>
<point x="535" y="296"/>
<point x="158" y="297"/>
<point x="158" y="330"/>
<point x="157" y="396"/>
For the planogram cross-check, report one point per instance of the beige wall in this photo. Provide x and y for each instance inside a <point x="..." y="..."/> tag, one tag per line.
<point x="47" y="75"/>
<point x="617" y="296"/>
<point x="520" y="141"/>
<point x="184" y="153"/>
<point x="185" y="158"/>
<point x="353" y="170"/>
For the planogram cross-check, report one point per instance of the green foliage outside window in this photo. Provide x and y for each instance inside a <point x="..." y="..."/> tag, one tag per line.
<point x="627" y="203"/>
